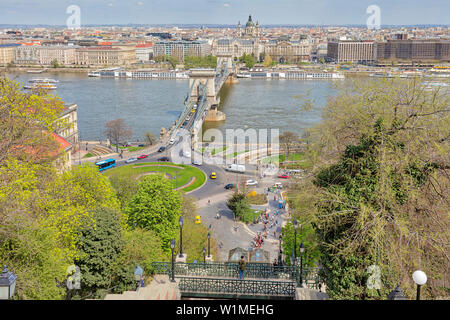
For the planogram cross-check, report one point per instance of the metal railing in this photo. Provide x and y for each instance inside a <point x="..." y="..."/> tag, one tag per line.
<point x="231" y="270"/>
<point x="234" y="287"/>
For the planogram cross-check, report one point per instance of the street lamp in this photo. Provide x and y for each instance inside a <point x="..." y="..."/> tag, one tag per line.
<point x="204" y="254"/>
<point x="295" y="238"/>
<point x="209" y="238"/>
<point x="172" y="247"/>
<point x="180" y="222"/>
<point x="280" y="252"/>
<point x="420" y="278"/>
<point x="302" y="250"/>
<point x="7" y="284"/>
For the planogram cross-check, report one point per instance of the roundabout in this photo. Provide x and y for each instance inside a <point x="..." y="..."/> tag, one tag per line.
<point x="184" y="178"/>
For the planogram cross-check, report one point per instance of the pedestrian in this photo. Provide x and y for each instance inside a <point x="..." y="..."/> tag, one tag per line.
<point x="242" y="268"/>
<point x="209" y="202"/>
<point x="274" y="198"/>
<point x="143" y="281"/>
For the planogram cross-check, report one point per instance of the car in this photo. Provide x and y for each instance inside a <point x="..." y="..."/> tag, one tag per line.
<point x="198" y="220"/>
<point x="131" y="160"/>
<point x="141" y="145"/>
<point x="188" y="118"/>
<point x="213" y="175"/>
<point x="251" y="183"/>
<point x="185" y="124"/>
<point x="161" y="149"/>
<point x="229" y="186"/>
<point x="143" y="156"/>
<point x="164" y="159"/>
<point x="187" y="154"/>
<point x="197" y="162"/>
<point x="283" y="176"/>
<point x="278" y="185"/>
<point x="193" y="110"/>
<point x="172" y="141"/>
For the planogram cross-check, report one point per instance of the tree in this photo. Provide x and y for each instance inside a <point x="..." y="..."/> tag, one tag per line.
<point x="287" y="140"/>
<point x="150" y="138"/>
<point x="100" y="246"/>
<point x="117" y="132"/>
<point x="268" y="61"/>
<point x="156" y="206"/>
<point x="248" y="59"/>
<point x="55" y="63"/>
<point x="26" y="123"/>
<point x="382" y="153"/>
<point x="125" y="188"/>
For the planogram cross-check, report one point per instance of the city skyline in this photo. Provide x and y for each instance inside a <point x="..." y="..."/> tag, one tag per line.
<point x="224" y="12"/>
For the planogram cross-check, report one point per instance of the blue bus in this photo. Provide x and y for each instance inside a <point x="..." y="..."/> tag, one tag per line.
<point x="106" y="164"/>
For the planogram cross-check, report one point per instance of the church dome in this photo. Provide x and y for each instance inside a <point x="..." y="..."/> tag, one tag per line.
<point x="250" y="22"/>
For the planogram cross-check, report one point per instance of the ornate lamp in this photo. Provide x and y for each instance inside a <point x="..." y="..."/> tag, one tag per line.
<point x="7" y="284"/>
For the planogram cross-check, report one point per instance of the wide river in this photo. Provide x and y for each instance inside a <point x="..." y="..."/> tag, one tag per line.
<point x="148" y="105"/>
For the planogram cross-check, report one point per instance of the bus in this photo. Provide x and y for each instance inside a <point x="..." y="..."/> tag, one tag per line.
<point x="106" y="164"/>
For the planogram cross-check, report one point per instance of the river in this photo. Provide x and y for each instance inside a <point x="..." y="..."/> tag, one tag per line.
<point x="148" y="105"/>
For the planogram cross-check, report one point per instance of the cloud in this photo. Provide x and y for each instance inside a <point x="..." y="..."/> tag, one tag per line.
<point x="140" y="3"/>
<point x="226" y="5"/>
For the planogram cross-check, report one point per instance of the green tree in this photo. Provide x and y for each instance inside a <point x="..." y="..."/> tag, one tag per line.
<point x="125" y="188"/>
<point x="156" y="206"/>
<point x="268" y="62"/>
<point x="381" y="201"/>
<point x="248" y="59"/>
<point x="55" y="63"/>
<point x="99" y="247"/>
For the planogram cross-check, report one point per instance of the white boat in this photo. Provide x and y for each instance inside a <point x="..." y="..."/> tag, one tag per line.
<point x="244" y="75"/>
<point x="41" y="86"/>
<point x="46" y="80"/>
<point x="94" y="74"/>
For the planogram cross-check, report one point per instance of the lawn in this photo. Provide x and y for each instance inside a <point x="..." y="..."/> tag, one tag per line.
<point x="180" y="176"/>
<point x="130" y="149"/>
<point x="88" y="155"/>
<point x="218" y="150"/>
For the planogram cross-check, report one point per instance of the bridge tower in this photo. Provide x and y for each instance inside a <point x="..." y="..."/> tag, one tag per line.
<point x="203" y="77"/>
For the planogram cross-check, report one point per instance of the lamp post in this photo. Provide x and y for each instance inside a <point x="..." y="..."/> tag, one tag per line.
<point x="295" y="238"/>
<point x="302" y="250"/>
<point x="209" y="247"/>
<point x="280" y="252"/>
<point x="204" y="255"/>
<point x="172" y="247"/>
<point x="7" y="284"/>
<point x="420" y="278"/>
<point x="180" y="222"/>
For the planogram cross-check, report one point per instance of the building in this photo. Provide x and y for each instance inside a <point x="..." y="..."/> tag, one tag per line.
<point x="288" y="51"/>
<point x="181" y="49"/>
<point x="120" y="55"/>
<point x="7" y="52"/>
<point x="413" y="50"/>
<point x="26" y="54"/>
<point x="64" y="55"/>
<point x="351" y="51"/>
<point x="251" y="29"/>
<point x="144" y="52"/>
<point x="67" y="126"/>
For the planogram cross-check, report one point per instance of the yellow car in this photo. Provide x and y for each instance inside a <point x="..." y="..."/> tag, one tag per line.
<point x="213" y="175"/>
<point x="193" y="110"/>
<point x="198" y="220"/>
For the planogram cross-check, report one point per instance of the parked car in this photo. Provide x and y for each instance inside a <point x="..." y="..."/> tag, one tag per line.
<point x="193" y="110"/>
<point x="143" y="156"/>
<point x="284" y="176"/>
<point x="251" y="183"/>
<point x="197" y="162"/>
<point x="213" y="175"/>
<point x="198" y="220"/>
<point x="164" y="159"/>
<point x="229" y="186"/>
<point x="172" y="141"/>
<point x="141" y="145"/>
<point x="131" y="160"/>
<point x="187" y="153"/>
<point x="185" y="124"/>
<point x="161" y="149"/>
<point x="188" y="118"/>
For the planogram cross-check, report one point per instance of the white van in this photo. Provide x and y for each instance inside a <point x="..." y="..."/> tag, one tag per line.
<point x="236" y="168"/>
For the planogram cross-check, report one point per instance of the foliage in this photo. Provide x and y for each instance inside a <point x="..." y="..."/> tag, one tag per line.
<point x="150" y="138"/>
<point x="125" y="188"/>
<point x="240" y="206"/>
<point x="268" y="62"/>
<point x="288" y="140"/>
<point x="26" y="123"/>
<point x="200" y="62"/>
<point x="248" y="59"/>
<point x="156" y="206"/>
<point x="117" y="132"/>
<point x="173" y="61"/>
<point x="99" y="247"/>
<point x="383" y="202"/>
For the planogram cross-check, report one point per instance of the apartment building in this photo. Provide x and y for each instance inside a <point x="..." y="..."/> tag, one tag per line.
<point x="351" y="51"/>
<point x="288" y="51"/>
<point x="64" y="55"/>
<point x="7" y="53"/>
<point x="181" y="48"/>
<point x="144" y="52"/>
<point x="413" y="50"/>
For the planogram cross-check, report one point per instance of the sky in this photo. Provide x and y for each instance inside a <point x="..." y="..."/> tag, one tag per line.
<point x="267" y="12"/>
